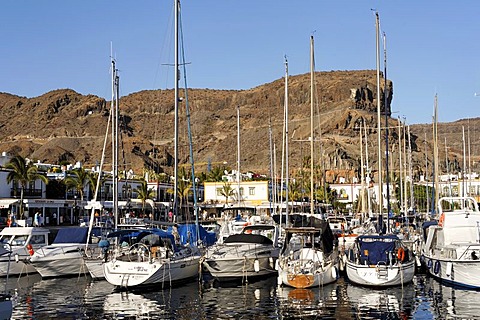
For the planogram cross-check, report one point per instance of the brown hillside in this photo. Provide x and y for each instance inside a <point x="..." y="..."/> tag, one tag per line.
<point x="63" y="125"/>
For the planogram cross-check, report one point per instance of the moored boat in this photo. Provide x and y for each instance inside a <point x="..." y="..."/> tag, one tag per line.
<point x="379" y="261"/>
<point x="155" y="259"/>
<point x="308" y="258"/>
<point x="251" y="253"/>
<point x="452" y="248"/>
<point x="22" y="242"/>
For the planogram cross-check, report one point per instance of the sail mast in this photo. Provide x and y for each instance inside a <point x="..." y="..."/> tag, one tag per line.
<point x="379" y="127"/>
<point x="238" y="156"/>
<point x="387" y="151"/>
<point x="286" y="144"/>
<point x="175" y="167"/>
<point x="312" y="88"/>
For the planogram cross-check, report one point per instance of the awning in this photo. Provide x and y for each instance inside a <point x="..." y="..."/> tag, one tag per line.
<point x="5" y="203"/>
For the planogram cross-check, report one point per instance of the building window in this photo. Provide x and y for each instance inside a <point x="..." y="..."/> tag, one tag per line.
<point x="241" y="191"/>
<point x="251" y="191"/>
<point x="219" y="192"/>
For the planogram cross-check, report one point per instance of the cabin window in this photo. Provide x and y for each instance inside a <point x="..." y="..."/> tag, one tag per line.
<point x="37" y="239"/>
<point x="251" y="191"/>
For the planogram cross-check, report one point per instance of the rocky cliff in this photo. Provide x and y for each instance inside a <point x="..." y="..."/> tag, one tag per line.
<point x="64" y="126"/>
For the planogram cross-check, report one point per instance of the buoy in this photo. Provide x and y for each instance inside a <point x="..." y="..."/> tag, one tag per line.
<point x="30" y="249"/>
<point x="436" y="268"/>
<point x="256" y="265"/>
<point x="429" y="263"/>
<point x="270" y="262"/>
<point x="401" y="254"/>
<point x="276" y="265"/>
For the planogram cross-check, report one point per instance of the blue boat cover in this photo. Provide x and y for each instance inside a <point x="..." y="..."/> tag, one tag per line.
<point x="375" y="249"/>
<point x="72" y="235"/>
<point x="188" y="234"/>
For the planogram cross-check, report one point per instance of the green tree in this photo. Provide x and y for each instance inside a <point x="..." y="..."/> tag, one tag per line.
<point x="216" y="174"/>
<point x="226" y="191"/>
<point x="144" y="193"/>
<point x="23" y="172"/>
<point x="79" y="180"/>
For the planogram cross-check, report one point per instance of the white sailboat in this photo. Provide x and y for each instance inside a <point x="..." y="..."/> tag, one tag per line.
<point x="157" y="260"/>
<point x="308" y="258"/>
<point x="379" y="260"/>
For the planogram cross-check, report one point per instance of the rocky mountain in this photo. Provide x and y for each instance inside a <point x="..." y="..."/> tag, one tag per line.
<point x="64" y="126"/>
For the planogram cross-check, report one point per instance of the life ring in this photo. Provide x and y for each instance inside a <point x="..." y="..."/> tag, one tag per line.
<point x="436" y="268"/>
<point x="30" y="249"/>
<point x="401" y="254"/>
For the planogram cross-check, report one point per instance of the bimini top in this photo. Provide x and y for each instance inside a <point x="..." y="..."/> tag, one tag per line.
<point x="375" y="248"/>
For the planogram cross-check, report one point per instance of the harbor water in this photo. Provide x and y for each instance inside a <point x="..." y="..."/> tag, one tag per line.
<point x="83" y="298"/>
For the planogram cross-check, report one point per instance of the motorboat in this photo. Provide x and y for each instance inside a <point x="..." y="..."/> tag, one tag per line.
<point x="378" y="260"/>
<point x="308" y="258"/>
<point x="251" y="253"/>
<point x="452" y="247"/>
<point x="156" y="258"/>
<point x="22" y="242"/>
<point x="65" y="256"/>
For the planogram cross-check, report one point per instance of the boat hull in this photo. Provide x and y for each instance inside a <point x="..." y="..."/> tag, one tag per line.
<point x="95" y="268"/>
<point x="294" y="276"/>
<point x="380" y="275"/>
<point x="240" y="267"/>
<point x="61" y="264"/>
<point x="464" y="273"/>
<point x="164" y="272"/>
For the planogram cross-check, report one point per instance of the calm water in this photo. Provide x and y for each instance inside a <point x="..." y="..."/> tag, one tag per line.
<point x="82" y="298"/>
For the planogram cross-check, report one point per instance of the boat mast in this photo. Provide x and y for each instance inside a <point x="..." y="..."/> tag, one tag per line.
<point x="379" y="127"/>
<point x="369" y="199"/>
<point x="177" y="77"/>
<point x="238" y="156"/>
<point x="362" y="172"/>
<point x="312" y="95"/>
<point x="464" y="184"/>
<point x="286" y="145"/>
<point x="435" y="154"/>
<point x="400" y="149"/>
<point x="114" y="108"/>
<point x="387" y="151"/>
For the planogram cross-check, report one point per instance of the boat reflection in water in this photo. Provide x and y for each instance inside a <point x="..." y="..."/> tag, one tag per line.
<point x="314" y="302"/>
<point x="128" y="304"/>
<point x="385" y="303"/>
<point x="451" y="302"/>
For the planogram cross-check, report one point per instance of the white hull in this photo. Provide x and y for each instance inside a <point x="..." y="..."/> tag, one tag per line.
<point x="159" y="271"/>
<point x="309" y="269"/>
<point x="380" y="275"/>
<point x="240" y="267"/>
<point x="95" y="268"/>
<point x="22" y="267"/>
<point x="464" y="273"/>
<point x="59" y="261"/>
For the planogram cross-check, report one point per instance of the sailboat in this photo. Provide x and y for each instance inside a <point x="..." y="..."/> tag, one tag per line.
<point x="379" y="260"/>
<point x="157" y="258"/>
<point x="308" y="258"/>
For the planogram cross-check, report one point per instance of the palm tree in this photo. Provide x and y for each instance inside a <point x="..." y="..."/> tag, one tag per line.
<point x="226" y="191"/>
<point x="216" y="174"/>
<point x="79" y="180"/>
<point x="144" y="193"/>
<point x="23" y="172"/>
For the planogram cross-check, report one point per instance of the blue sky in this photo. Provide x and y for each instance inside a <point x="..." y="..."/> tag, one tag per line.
<point x="433" y="47"/>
